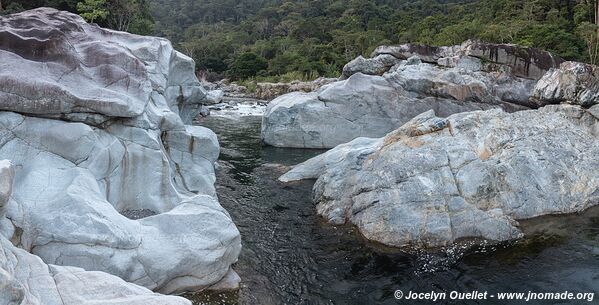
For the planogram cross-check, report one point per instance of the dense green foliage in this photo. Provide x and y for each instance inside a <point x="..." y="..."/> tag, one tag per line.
<point x="13" y="6"/>
<point x="317" y="37"/>
<point x="248" y="64"/>
<point x="93" y="10"/>
<point x="123" y="15"/>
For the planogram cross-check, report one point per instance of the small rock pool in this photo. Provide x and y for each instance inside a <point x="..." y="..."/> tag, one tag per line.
<point x="292" y="256"/>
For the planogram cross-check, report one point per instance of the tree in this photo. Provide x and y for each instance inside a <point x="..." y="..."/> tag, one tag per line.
<point x="12" y="8"/>
<point x="589" y="32"/>
<point x="92" y="10"/>
<point x="320" y="36"/>
<point x="284" y="63"/>
<point x="247" y="65"/>
<point x="122" y="13"/>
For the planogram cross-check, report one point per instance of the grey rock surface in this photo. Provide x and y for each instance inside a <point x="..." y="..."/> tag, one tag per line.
<point x="520" y="61"/>
<point x="430" y="54"/>
<point x="464" y="83"/>
<point x="327" y="118"/>
<point x="514" y="59"/>
<point x="574" y="83"/>
<point x="437" y="181"/>
<point x="398" y="82"/>
<point x="372" y="105"/>
<point x="109" y="135"/>
<point x="7" y="175"/>
<point x="27" y="280"/>
<point x="371" y="66"/>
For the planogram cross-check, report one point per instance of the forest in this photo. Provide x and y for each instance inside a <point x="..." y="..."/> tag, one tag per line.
<point x="305" y="39"/>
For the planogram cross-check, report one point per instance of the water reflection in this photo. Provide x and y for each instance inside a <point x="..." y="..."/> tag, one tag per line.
<point x="291" y="256"/>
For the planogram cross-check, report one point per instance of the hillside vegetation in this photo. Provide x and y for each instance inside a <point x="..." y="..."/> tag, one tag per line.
<point x="310" y="38"/>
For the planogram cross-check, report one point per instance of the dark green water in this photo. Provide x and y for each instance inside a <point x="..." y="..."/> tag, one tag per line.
<point x="291" y="256"/>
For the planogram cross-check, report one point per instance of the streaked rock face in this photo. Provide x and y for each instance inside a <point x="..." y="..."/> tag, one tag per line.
<point x="436" y="181"/>
<point x="517" y="60"/>
<point x="95" y="124"/>
<point x="398" y="82"/>
<point x="574" y="83"/>
<point x="370" y="66"/>
<point x="371" y="105"/>
<point x="430" y="54"/>
<point x="69" y="69"/>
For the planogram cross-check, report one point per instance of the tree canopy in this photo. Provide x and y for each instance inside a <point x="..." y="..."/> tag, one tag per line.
<point x="317" y="37"/>
<point x="248" y="64"/>
<point x="123" y="15"/>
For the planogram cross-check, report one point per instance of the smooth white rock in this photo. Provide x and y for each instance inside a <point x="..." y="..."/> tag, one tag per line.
<point x="109" y="136"/>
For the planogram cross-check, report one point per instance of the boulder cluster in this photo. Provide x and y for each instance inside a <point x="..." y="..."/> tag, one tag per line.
<point x="107" y="191"/>
<point x="435" y="146"/>
<point x="381" y="93"/>
<point x="95" y="124"/>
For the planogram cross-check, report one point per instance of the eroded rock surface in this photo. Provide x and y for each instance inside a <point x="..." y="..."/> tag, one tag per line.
<point x="95" y="124"/>
<point x="371" y="66"/>
<point x="520" y="61"/>
<point x="371" y="105"/>
<point x="26" y="279"/>
<point x="69" y="69"/>
<point x="381" y="93"/>
<point x="430" y="54"/>
<point x="514" y="59"/>
<point x="574" y="83"/>
<point x="435" y="181"/>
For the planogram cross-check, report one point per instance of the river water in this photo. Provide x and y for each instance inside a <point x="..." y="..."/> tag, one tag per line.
<point x="292" y="256"/>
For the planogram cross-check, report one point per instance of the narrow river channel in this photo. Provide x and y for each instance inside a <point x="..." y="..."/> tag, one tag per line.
<point x="292" y="256"/>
